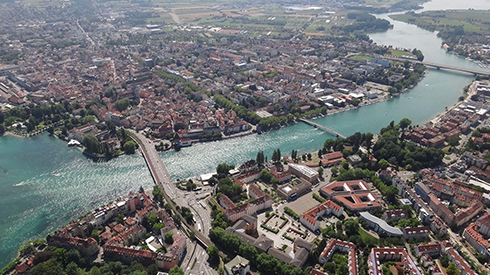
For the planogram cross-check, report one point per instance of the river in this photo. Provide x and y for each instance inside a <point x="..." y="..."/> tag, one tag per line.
<point x="56" y="184"/>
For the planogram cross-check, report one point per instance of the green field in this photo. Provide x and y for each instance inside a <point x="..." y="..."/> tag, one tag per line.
<point x="366" y="237"/>
<point x="472" y="21"/>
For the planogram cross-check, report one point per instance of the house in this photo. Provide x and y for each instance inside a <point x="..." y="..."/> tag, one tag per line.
<point x="332" y="159"/>
<point x="416" y="232"/>
<point x="237" y="266"/>
<point x="395" y="215"/>
<point x="429" y="249"/>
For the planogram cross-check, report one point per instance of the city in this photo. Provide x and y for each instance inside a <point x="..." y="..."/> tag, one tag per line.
<point x="112" y="79"/>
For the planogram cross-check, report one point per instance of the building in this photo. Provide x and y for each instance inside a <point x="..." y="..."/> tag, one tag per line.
<point x="233" y="213"/>
<point x="416" y="232"/>
<point x="127" y="255"/>
<point x="305" y="172"/>
<point x="429" y="249"/>
<point x="460" y="263"/>
<point x="477" y="240"/>
<point x="301" y="249"/>
<point x="395" y="215"/>
<point x="334" y="246"/>
<point x="405" y="263"/>
<point x="353" y="195"/>
<point x="380" y="225"/>
<point x="332" y="159"/>
<point x="310" y="217"/>
<point x="237" y="266"/>
<point x="175" y="254"/>
<point x="86" y="247"/>
<point x="290" y="191"/>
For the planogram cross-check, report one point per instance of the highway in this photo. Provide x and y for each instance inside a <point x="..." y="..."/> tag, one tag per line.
<point x="188" y="199"/>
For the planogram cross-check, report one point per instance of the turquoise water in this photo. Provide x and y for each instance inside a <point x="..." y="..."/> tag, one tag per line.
<point x="57" y="183"/>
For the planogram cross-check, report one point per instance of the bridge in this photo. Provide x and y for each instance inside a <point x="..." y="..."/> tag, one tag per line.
<point x="161" y="177"/>
<point x="441" y="66"/>
<point x="325" y="128"/>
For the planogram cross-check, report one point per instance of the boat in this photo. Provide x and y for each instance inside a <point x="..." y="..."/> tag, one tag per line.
<point x="185" y="142"/>
<point x="55" y="175"/>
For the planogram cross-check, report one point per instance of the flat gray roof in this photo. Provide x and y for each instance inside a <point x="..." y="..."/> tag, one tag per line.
<point x="382" y="224"/>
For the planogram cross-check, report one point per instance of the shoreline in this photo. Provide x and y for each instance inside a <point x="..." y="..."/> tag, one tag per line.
<point x="385" y="96"/>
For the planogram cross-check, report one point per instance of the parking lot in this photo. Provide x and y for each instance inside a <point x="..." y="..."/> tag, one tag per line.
<point x="303" y="203"/>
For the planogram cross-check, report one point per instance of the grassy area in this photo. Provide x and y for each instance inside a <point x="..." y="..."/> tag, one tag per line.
<point x="360" y="57"/>
<point x="472" y="21"/>
<point x="366" y="237"/>
<point x="401" y="53"/>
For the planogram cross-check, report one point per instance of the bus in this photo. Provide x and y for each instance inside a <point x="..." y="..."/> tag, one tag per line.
<point x="202" y="204"/>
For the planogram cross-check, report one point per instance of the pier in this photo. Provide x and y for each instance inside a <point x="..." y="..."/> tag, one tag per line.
<point x="325" y="128"/>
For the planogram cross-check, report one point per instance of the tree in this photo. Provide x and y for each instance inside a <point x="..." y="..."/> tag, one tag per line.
<point x="213" y="253"/>
<point x="71" y="269"/>
<point x="122" y="104"/>
<point x="27" y="250"/>
<point x="95" y="235"/>
<point x="260" y="157"/>
<point x="294" y="154"/>
<point x="320" y="172"/>
<point x="265" y="176"/>
<point x="329" y="143"/>
<point x="248" y="251"/>
<point x="356" y="102"/>
<point x="157" y="227"/>
<point x="404" y="123"/>
<point x="91" y="143"/>
<point x="351" y="227"/>
<point x="223" y="168"/>
<point x="152" y="269"/>
<point x="169" y="238"/>
<point x="453" y="141"/>
<point x="452" y="269"/>
<point x="120" y="218"/>
<point x="176" y="270"/>
<point x="129" y="147"/>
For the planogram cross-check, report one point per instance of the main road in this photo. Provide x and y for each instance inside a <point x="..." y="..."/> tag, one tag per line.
<point x="196" y="261"/>
<point x="170" y="191"/>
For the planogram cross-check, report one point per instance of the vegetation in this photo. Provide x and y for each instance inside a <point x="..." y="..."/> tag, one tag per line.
<point x="454" y="26"/>
<point x="405" y="154"/>
<point x="264" y="263"/>
<point x="233" y="190"/>
<point x="318" y="198"/>
<point x="365" y="22"/>
<point x="291" y="213"/>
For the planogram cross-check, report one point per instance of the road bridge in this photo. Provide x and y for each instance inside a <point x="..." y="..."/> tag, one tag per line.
<point x="161" y="177"/>
<point x="325" y="128"/>
<point x="441" y="66"/>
